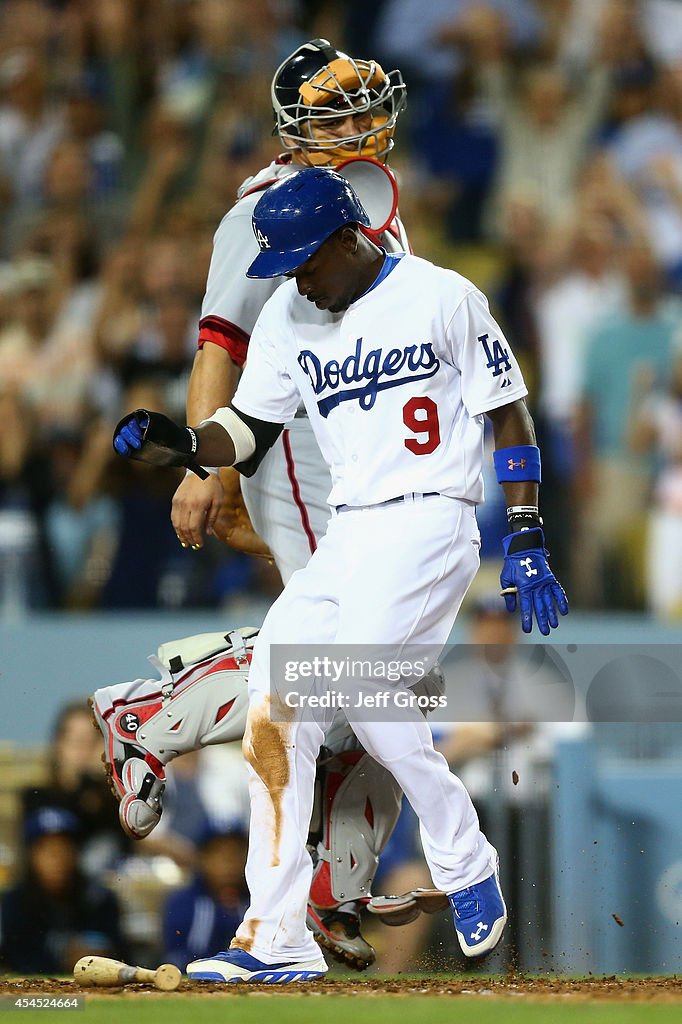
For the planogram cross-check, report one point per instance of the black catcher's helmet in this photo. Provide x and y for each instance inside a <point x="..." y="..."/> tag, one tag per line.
<point x="317" y="83"/>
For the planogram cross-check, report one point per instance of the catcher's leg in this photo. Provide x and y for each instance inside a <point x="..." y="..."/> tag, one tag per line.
<point x="357" y="807"/>
<point x="200" y="699"/>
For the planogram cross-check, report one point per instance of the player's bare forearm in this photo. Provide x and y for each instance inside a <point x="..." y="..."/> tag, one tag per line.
<point x="196" y="503"/>
<point x="215" y="447"/>
<point x="512" y="426"/>
<point x="212" y="382"/>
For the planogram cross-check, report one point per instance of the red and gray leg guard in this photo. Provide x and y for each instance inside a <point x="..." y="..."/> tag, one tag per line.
<point x="357" y="806"/>
<point x="200" y="699"/>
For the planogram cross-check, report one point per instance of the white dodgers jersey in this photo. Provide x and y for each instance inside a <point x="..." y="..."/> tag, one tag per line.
<point x="395" y="386"/>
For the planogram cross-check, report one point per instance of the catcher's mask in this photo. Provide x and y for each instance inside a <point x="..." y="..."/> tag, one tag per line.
<point x="318" y="84"/>
<point x="296" y="215"/>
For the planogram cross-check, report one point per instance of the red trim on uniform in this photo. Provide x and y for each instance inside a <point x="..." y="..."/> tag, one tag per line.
<point x="225" y="334"/>
<point x="392" y="229"/>
<point x="261" y="187"/>
<point x="281" y="160"/>
<point x="296" y="492"/>
<point x="374" y="236"/>
<point x="226" y="664"/>
<point x="122" y="703"/>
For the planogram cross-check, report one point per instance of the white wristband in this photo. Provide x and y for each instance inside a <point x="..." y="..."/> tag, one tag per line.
<point x="242" y="436"/>
<point x="211" y="470"/>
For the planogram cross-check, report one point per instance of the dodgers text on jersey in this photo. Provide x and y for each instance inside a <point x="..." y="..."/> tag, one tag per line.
<point x="374" y="371"/>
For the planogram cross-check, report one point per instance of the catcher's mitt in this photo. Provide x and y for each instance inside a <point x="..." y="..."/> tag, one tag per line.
<point x="233" y="525"/>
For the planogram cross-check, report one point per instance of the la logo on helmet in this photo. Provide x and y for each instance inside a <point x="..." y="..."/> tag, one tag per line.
<point x="263" y="240"/>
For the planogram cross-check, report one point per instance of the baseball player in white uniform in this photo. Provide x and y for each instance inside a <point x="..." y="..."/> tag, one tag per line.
<point x="328" y="107"/>
<point x="396" y="361"/>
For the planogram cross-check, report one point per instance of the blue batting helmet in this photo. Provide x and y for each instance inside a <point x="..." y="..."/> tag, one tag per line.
<point x="296" y="215"/>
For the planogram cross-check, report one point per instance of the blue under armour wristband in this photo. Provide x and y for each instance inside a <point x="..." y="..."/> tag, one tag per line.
<point x="520" y="462"/>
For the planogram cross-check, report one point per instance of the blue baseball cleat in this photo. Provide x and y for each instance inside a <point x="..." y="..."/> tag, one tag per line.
<point x="235" y="965"/>
<point x="480" y="916"/>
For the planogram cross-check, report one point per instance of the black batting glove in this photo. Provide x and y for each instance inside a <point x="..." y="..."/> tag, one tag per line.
<point x="153" y="438"/>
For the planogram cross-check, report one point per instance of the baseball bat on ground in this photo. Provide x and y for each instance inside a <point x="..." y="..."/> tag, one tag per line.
<point x="103" y="972"/>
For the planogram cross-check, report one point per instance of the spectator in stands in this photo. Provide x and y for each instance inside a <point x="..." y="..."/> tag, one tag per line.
<point x="426" y="41"/>
<point x="31" y="121"/>
<point x="546" y="126"/>
<point x="205" y="914"/>
<point x="146" y="548"/>
<point x="457" y="146"/>
<point x="145" y="326"/>
<point x="164" y="348"/>
<point x="587" y="287"/>
<point x="657" y="428"/>
<point x="206" y="793"/>
<point x="612" y="485"/>
<point x="207" y="790"/>
<point x="55" y="914"/>
<point x="47" y="359"/>
<point x="582" y="30"/>
<point x="86" y="124"/>
<point x="76" y="784"/>
<point x="645" y="146"/>
<point x="30" y="320"/>
<point x="28" y="573"/>
<point x="82" y="516"/>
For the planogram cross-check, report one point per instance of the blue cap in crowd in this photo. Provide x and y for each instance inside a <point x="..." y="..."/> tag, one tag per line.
<point x="49" y="821"/>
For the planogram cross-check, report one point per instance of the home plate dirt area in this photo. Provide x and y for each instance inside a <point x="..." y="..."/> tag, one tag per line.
<point x="510" y="987"/>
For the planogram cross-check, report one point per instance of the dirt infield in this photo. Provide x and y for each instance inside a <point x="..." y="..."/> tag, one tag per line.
<point x="610" y="989"/>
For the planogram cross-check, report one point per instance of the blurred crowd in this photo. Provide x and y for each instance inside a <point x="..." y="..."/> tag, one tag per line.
<point x="540" y="155"/>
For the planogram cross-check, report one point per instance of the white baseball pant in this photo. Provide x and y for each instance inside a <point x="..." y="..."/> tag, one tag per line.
<point x="392" y="574"/>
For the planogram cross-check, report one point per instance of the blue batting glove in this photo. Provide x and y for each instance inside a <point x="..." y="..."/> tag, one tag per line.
<point x="130" y="436"/>
<point x="526" y="573"/>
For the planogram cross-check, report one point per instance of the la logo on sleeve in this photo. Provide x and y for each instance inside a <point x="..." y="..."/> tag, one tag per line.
<point x="498" y="357"/>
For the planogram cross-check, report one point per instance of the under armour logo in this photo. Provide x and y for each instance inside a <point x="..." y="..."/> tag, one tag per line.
<point x="511" y="465"/>
<point x="480" y="928"/>
<point x="263" y="240"/>
<point x="527" y="563"/>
